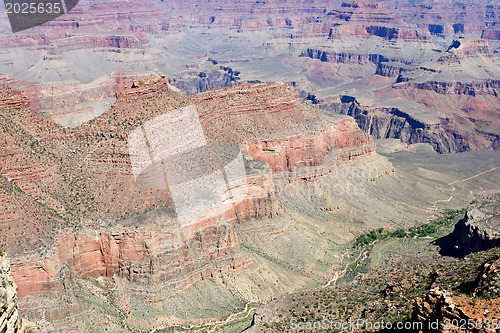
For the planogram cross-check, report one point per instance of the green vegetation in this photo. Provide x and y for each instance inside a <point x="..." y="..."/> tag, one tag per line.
<point x="2" y="252"/>
<point x="426" y="229"/>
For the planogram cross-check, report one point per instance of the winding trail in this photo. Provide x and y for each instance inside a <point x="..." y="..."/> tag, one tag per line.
<point x="340" y="274"/>
<point x="211" y="326"/>
<point x="453" y="188"/>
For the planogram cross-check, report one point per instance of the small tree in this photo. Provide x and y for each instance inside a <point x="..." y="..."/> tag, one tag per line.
<point x="400" y="233"/>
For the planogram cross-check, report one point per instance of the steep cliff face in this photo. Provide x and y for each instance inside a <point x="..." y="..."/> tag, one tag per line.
<point x="385" y="66"/>
<point x="353" y="58"/>
<point x="10" y="322"/>
<point x="488" y="87"/>
<point x="444" y="19"/>
<point x="344" y="58"/>
<point x="479" y="230"/>
<point x="384" y="123"/>
<point x="290" y="153"/>
<point x="146" y="255"/>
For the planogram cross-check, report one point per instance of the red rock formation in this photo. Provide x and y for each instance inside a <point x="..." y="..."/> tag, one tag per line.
<point x="91" y="171"/>
<point x="448" y="312"/>
<point x="34" y="277"/>
<point x="286" y="154"/>
<point x="11" y="99"/>
<point x="369" y="18"/>
<point x="143" y="87"/>
<point x="10" y="321"/>
<point x="145" y="255"/>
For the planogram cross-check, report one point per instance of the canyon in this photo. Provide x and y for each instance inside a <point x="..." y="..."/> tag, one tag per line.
<point x="345" y="117"/>
<point x="299" y="160"/>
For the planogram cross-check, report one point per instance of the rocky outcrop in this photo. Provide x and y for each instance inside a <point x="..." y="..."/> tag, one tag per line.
<point x="195" y="82"/>
<point x="347" y="58"/>
<point x="143" y="87"/>
<point x="252" y="99"/>
<point x="11" y="99"/>
<point x="442" y="311"/>
<point x="10" y="322"/>
<point x="479" y="230"/>
<point x="290" y="153"/>
<point x="343" y="58"/>
<point x="118" y="42"/>
<point x="487" y="282"/>
<point x="438" y="307"/>
<point x="390" y="69"/>
<point x="387" y="67"/>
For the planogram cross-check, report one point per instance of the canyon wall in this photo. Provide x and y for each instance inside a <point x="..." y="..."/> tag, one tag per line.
<point x="487" y="87"/>
<point x="290" y="153"/>
<point x="384" y="123"/>
<point x="10" y="321"/>
<point x="478" y="230"/>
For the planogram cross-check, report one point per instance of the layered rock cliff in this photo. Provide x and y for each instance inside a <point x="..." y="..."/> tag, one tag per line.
<point x="445" y="19"/>
<point x="466" y="67"/>
<point x="488" y="87"/>
<point x="10" y="321"/>
<point x="11" y="99"/>
<point x="369" y="18"/>
<point x="383" y="123"/>
<point x="291" y="153"/>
